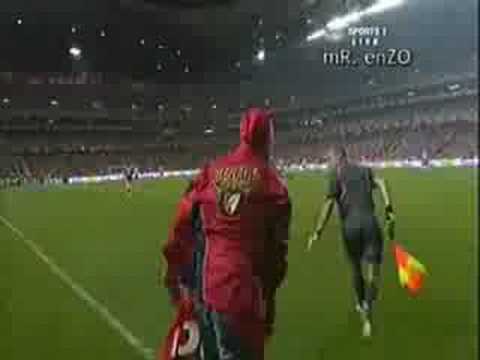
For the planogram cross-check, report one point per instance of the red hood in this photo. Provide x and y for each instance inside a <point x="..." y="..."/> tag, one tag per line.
<point x="256" y="130"/>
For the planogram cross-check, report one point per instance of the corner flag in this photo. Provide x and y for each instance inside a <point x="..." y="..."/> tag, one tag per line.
<point x="410" y="271"/>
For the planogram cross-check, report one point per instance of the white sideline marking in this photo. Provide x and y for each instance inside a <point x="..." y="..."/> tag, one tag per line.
<point x="82" y="294"/>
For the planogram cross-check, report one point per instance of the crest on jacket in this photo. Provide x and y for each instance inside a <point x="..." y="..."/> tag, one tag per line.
<point x="233" y="185"/>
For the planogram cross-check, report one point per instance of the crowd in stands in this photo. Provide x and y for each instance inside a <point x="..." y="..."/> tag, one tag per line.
<point x="400" y="134"/>
<point x="430" y="131"/>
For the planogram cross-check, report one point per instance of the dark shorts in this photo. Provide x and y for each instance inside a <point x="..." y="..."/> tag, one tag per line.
<point x="220" y="341"/>
<point x="363" y="239"/>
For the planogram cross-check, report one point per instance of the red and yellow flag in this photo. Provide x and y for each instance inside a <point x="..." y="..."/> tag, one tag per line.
<point x="410" y="271"/>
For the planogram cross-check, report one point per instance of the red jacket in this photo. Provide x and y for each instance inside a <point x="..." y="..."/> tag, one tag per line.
<point x="183" y="338"/>
<point x="244" y="212"/>
<point x="178" y="251"/>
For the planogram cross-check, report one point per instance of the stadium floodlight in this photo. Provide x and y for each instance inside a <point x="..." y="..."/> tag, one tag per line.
<point x="334" y="36"/>
<point x="75" y="51"/>
<point x="19" y="21"/>
<point x="261" y="55"/>
<point x="97" y="105"/>
<point x="381" y="6"/>
<point x="209" y="130"/>
<point x="342" y="22"/>
<point x="317" y="34"/>
<point x="54" y="102"/>
<point x="187" y="108"/>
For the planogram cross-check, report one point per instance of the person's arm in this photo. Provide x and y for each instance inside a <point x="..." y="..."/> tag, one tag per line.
<point x="321" y="222"/>
<point x="324" y="216"/>
<point x="281" y="234"/>
<point x="381" y="184"/>
<point x="278" y="270"/>
<point x="276" y="247"/>
<point x="178" y="252"/>
<point x="326" y="212"/>
<point x="275" y="264"/>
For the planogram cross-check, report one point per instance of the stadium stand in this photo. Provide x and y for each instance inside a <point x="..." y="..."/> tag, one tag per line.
<point x="437" y="123"/>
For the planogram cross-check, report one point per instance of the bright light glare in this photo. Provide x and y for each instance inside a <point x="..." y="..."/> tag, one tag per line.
<point x="334" y="36"/>
<point x="75" y="52"/>
<point x="382" y="5"/>
<point x="317" y="34"/>
<point x="261" y="55"/>
<point x="344" y="21"/>
<point x="454" y="87"/>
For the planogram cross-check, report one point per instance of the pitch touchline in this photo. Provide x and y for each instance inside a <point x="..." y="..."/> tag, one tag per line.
<point x="82" y="294"/>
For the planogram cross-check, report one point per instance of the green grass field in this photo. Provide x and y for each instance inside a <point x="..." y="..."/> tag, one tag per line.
<point x="110" y="245"/>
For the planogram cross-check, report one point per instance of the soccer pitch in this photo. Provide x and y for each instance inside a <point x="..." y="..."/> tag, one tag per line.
<point x="78" y="274"/>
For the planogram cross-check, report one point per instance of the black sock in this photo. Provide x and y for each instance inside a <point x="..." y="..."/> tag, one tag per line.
<point x="359" y="285"/>
<point x="371" y="293"/>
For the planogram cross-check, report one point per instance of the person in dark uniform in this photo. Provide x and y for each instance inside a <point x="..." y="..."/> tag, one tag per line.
<point x="351" y="188"/>
<point x="129" y="176"/>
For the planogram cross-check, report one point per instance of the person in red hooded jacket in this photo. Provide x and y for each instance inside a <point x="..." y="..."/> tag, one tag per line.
<point x="240" y="219"/>
<point x="179" y="250"/>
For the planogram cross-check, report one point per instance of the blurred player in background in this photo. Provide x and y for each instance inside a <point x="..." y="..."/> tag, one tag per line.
<point x="129" y="175"/>
<point x="425" y="158"/>
<point x="351" y="187"/>
<point x="240" y="217"/>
